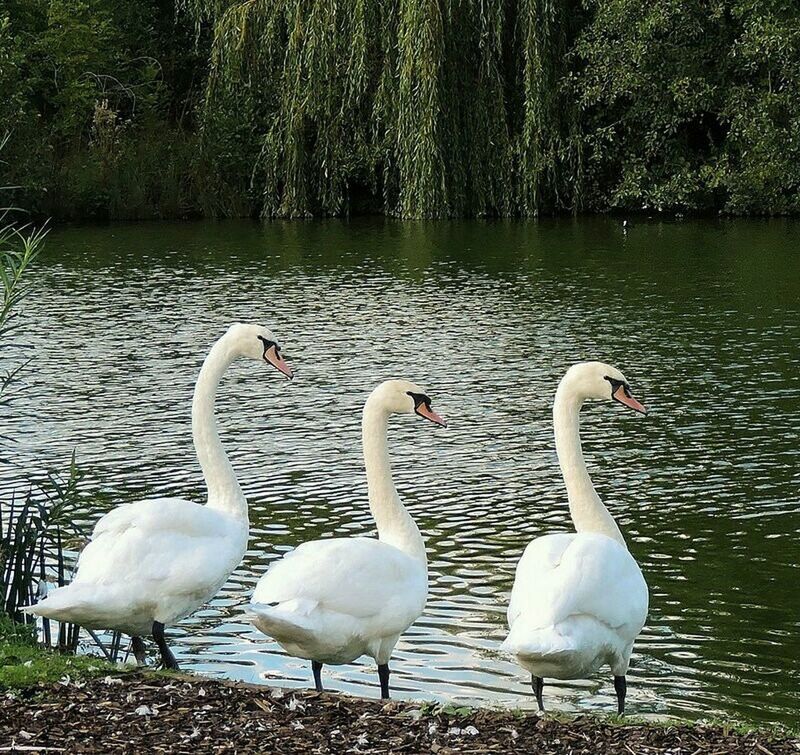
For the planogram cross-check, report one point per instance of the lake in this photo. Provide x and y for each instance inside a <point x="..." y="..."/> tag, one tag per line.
<point x="703" y="318"/>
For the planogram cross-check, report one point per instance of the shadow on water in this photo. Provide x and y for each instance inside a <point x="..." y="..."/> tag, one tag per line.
<point x="703" y="317"/>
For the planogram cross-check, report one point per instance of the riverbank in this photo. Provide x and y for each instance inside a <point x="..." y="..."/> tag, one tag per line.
<point x="149" y="712"/>
<point x="51" y="702"/>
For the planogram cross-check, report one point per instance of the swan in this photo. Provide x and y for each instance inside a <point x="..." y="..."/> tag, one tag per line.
<point x="579" y="600"/>
<point x="151" y="563"/>
<point x="332" y="601"/>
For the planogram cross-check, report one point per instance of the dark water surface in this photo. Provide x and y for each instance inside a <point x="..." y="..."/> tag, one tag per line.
<point x="704" y="319"/>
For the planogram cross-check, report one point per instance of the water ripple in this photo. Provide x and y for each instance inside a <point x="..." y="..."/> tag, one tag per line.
<point x="703" y="318"/>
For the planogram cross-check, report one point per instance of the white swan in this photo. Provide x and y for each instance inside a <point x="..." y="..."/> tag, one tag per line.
<point x="579" y="600"/>
<point x="332" y="601"/>
<point x="153" y="562"/>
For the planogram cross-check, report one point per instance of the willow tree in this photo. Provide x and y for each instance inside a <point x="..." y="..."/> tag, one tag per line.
<point x="425" y="108"/>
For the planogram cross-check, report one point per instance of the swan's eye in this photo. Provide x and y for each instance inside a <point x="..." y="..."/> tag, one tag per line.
<point x="617" y="384"/>
<point x="422" y="407"/>
<point x="420" y="399"/>
<point x="267" y="346"/>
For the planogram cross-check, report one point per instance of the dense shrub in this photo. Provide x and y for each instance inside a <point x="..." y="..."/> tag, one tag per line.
<point x="690" y="104"/>
<point x="99" y="98"/>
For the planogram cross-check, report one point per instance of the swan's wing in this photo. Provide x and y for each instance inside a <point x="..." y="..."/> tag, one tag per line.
<point x="162" y="540"/>
<point x="567" y="575"/>
<point x="540" y="559"/>
<point x="358" y="577"/>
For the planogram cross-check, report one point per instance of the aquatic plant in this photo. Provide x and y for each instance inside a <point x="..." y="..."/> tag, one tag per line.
<point x="32" y="549"/>
<point x="19" y="247"/>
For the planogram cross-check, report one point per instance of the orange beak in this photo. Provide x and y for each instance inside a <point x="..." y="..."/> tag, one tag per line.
<point x="625" y="397"/>
<point x="428" y="413"/>
<point x="277" y="361"/>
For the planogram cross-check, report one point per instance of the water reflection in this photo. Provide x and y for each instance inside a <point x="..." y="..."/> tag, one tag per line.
<point x="702" y="317"/>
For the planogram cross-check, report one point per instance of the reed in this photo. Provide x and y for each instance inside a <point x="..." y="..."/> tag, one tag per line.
<point x="32" y="551"/>
<point x="39" y="537"/>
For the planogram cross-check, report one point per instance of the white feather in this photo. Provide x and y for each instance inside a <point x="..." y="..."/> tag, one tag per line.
<point x="335" y="600"/>
<point x="332" y="601"/>
<point x="579" y="600"/>
<point x="154" y="560"/>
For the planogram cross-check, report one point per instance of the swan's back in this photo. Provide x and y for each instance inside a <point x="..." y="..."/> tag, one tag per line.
<point x="565" y="574"/>
<point x="578" y="596"/>
<point x="358" y="577"/>
<point x="335" y="600"/>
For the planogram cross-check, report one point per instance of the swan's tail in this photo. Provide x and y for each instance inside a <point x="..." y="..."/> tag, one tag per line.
<point x="571" y="649"/>
<point x="286" y="622"/>
<point x="534" y="645"/>
<point x="65" y="603"/>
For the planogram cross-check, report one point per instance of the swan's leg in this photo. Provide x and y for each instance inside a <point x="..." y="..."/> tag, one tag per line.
<point x="538" y="685"/>
<point x="138" y="650"/>
<point x="383" y="675"/>
<point x="621" y="687"/>
<point x="166" y="653"/>
<point x="316" y="667"/>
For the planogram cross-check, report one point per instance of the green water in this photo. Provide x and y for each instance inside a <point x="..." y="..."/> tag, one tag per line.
<point x="703" y="318"/>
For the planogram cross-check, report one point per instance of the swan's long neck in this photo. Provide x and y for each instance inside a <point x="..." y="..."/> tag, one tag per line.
<point x="224" y="493"/>
<point x="395" y="525"/>
<point x="585" y="507"/>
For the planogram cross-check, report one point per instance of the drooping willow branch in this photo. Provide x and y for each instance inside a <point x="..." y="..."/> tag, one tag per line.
<point x="429" y="108"/>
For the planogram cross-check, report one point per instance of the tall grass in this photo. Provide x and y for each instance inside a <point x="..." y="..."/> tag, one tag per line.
<point x="33" y="531"/>
<point x="18" y="249"/>
<point x="40" y="534"/>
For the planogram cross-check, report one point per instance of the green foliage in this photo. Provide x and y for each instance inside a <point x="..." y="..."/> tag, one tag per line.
<point x="426" y="109"/>
<point x="690" y="104"/>
<point x="19" y="247"/>
<point x="414" y="108"/>
<point x="33" y="535"/>
<point x="99" y="97"/>
<point x="435" y="109"/>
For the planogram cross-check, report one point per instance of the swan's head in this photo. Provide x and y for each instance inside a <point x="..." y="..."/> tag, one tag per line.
<point x="257" y="342"/>
<point x="595" y="380"/>
<point x="404" y="397"/>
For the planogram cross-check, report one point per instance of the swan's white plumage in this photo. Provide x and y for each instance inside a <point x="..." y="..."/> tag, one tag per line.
<point x="332" y="601"/>
<point x="336" y="600"/>
<point x="578" y="602"/>
<point x="153" y="560"/>
<point x="159" y="559"/>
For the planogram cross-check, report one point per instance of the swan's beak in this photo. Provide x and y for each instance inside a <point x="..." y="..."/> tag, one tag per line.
<point x="625" y="397"/>
<point x="277" y="361"/>
<point x="428" y="413"/>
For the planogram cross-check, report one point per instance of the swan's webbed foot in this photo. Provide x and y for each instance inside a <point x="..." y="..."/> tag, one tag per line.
<point x="316" y="668"/>
<point x="166" y="653"/>
<point x="537" y="682"/>
<point x="383" y="675"/>
<point x="138" y="650"/>
<point x="621" y="687"/>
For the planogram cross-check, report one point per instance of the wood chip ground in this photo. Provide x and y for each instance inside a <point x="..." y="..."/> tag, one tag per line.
<point x="146" y="713"/>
